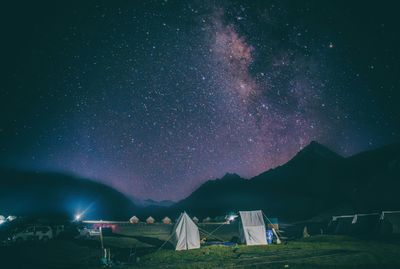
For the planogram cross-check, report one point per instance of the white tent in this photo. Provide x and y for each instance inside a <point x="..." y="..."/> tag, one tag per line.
<point x="134" y="220"/>
<point x="186" y="233"/>
<point x="166" y="220"/>
<point x="150" y="220"/>
<point x="252" y="228"/>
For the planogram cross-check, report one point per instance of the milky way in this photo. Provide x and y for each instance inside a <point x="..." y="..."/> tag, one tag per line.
<point x="155" y="98"/>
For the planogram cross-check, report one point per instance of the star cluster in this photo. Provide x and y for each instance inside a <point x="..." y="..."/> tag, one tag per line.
<point x="155" y="98"/>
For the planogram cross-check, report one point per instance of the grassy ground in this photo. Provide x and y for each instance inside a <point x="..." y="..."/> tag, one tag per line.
<point x="320" y="252"/>
<point x="316" y="252"/>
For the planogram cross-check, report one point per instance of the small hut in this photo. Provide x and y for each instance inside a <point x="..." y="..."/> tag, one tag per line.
<point x="134" y="220"/>
<point x="206" y="220"/>
<point x="196" y="220"/>
<point x="150" y="220"/>
<point x="166" y="220"/>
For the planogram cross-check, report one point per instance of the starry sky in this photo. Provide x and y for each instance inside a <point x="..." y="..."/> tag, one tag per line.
<point x="156" y="97"/>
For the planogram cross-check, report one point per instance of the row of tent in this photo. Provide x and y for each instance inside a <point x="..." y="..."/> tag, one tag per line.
<point x="186" y="235"/>
<point x="167" y="220"/>
<point x="149" y="220"/>
<point x="384" y="223"/>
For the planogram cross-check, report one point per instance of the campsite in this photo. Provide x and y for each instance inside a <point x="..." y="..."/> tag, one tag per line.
<point x="200" y="134"/>
<point x="241" y="243"/>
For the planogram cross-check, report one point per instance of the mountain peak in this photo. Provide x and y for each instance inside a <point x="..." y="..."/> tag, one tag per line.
<point x="319" y="150"/>
<point x="230" y="176"/>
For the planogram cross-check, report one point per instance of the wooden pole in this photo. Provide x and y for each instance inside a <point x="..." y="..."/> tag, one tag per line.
<point x="101" y="237"/>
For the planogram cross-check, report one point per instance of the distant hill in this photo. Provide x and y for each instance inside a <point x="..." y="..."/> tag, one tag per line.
<point x="151" y="202"/>
<point x="60" y="195"/>
<point x="314" y="181"/>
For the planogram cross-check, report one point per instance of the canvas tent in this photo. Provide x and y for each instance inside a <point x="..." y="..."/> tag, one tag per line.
<point x="150" y="220"/>
<point x="341" y="224"/>
<point x="166" y="220"/>
<point x="186" y="233"/>
<point x="358" y="224"/>
<point x="134" y="220"/>
<point x="364" y="224"/>
<point x="252" y="228"/>
<point x="390" y="222"/>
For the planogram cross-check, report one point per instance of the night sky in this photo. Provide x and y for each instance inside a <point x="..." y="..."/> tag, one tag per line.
<point x="155" y="98"/>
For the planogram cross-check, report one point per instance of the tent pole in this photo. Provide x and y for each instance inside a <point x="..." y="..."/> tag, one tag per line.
<point x="207" y="233"/>
<point x="278" y="240"/>
<point x="165" y="242"/>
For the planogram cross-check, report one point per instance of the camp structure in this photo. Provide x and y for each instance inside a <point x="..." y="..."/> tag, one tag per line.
<point x="364" y="224"/>
<point x="195" y="219"/>
<point x="186" y="233"/>
<point x="166" y="220"/>
<point x="340" y="224"/>
<point x="150" y="220"/>
<point x="252" y="228"/>
<point x="358" y="224"/>
<point x="390" y="222"/>
<point x="134" y="220"/>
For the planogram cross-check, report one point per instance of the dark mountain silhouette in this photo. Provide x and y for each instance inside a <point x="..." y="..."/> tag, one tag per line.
<point x="151" y="202"/>
<point x="58" y="195"/>
<point x="312" y="182"/>
<point x="315" y="181"/>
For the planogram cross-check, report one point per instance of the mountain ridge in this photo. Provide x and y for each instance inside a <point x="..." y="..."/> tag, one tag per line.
<point x="54" y="194"/>
<point x="316" y="179"/>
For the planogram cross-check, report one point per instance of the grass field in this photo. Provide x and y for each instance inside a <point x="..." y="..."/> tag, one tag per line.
<point x="315" y="252"/>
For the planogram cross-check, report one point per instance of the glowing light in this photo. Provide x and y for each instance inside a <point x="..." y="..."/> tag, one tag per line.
<point x="78" y="217"/>
<point x="232" y="217"/>
<point x="11" y="218"/>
